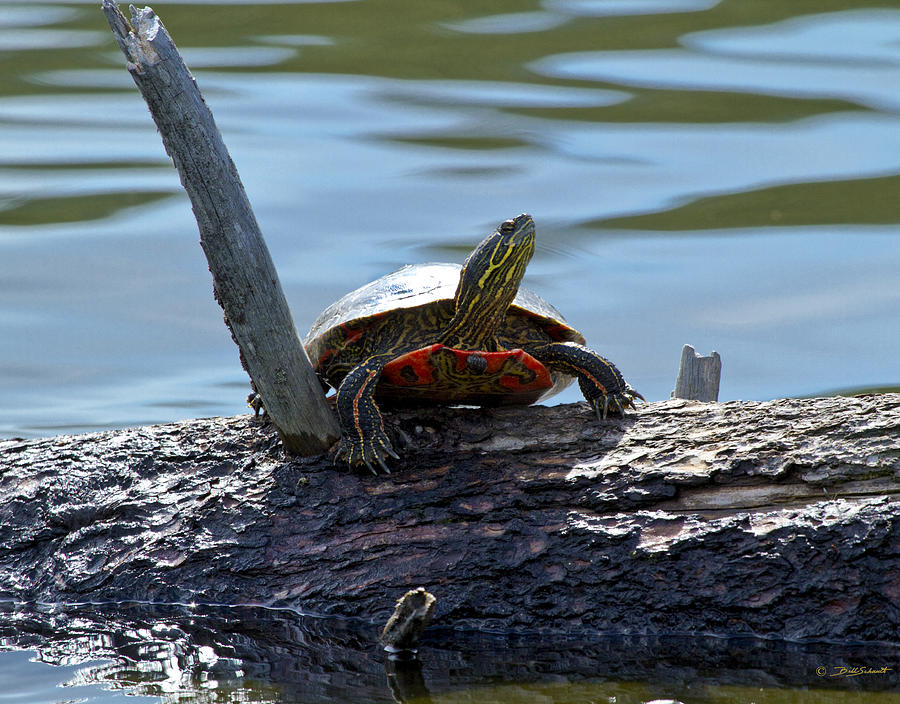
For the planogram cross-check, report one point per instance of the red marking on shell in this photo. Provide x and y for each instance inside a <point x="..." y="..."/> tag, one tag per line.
<point x="417" y="369"/>
<point x="349" y="334"/>
<point x="412" y="369"/>
<point x="355" y="329"/>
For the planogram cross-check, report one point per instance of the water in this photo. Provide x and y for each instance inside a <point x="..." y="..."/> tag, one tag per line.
<point x="241" y="654"/>
<point x="716" y="173"/>
<point x="723" y="174"/>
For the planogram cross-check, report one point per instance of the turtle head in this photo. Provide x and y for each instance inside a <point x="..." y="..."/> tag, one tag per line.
<point x="488" y="284"/>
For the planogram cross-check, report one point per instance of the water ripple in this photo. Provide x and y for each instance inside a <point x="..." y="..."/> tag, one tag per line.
<point x="864" y="38"/>
<point x="511" y="23"/>
<point x="34" y="15"/>
<point x="295" y="39"/>
<point x="233" y="57"/>
<point x="622" y="8"/>
<point x="19" y="39"/>
<point x="503" y="94"/>
<point x="771" y="60"/>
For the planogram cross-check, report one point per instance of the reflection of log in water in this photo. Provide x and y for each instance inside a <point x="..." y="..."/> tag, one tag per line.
<point x="774" y="519"/>
<point x="278" y="656"/>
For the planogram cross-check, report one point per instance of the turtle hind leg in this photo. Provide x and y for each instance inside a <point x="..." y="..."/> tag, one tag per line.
<point x="601" y="382"/>
<point x="363" y="437"/>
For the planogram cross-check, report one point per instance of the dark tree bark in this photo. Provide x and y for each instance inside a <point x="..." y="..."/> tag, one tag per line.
<point x="776" y="518"/>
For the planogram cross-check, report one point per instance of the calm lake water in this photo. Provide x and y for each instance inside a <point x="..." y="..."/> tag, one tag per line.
<point x="723" y="174"/>
<point x="719" y="173"/>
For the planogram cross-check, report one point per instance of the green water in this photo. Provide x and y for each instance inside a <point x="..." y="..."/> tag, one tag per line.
<point x="715" y="173"/>
<point x="722" y="174"/>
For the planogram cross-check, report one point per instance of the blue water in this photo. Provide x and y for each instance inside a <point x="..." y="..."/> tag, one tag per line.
<point x="24" y="679"/>
<point x="699" y="173"/>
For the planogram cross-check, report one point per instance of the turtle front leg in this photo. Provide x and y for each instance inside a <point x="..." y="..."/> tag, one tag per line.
<point x="363" y="438"/>
<point x="602" y="384"/>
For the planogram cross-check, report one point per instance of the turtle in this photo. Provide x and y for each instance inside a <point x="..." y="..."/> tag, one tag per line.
<point x="451" y="334"/>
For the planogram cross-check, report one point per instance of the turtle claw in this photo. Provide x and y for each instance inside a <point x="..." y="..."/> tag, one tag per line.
<point x="371" y="451"/>
<point x="381" y="463"/>
<point x="618" y="400"/>
<point x="601" y="410"/>
<point x="255" y="402"/>
<point x="402" y="440"/>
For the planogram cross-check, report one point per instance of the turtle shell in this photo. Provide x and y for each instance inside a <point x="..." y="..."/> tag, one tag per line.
<point x="421" y="286"/>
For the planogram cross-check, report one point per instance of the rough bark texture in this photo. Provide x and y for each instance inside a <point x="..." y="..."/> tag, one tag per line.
<point x="776" y="518"/>
<point x="245" y="282"/>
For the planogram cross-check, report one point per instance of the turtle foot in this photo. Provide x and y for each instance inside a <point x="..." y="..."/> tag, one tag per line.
<point x="255" y="402"/>
<point x="615" y="402"/>
<point x="372" y="451"/>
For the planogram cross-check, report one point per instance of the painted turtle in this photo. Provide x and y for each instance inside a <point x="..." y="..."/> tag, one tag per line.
<point x="441" y="333"/>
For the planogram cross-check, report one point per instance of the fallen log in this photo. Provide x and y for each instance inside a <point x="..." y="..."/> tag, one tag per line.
<point x="773" y="519"/>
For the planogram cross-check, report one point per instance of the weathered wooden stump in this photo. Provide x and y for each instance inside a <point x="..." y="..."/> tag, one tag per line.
<point x="698" y="376"/>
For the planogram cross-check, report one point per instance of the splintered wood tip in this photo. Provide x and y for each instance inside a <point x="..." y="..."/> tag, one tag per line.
<point x="411" y="616"/>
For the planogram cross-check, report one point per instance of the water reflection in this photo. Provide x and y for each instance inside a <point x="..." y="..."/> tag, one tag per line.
<point x="653" y="140"/>
<point x="619" y="8"/>
<point x="35" y="39"/>
<point x="244" y="57"/>
<point x="861" y="38"/>
<point x="792" y="58"/>
<point x="35" y="15"/>
<point x="514" y="23"/>
<point x="218" y="654"/>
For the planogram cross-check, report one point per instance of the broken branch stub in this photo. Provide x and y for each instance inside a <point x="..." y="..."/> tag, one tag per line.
<point x="245" y="282"/>
<point x="412" y="614"/>
<point x="698" y="376"/>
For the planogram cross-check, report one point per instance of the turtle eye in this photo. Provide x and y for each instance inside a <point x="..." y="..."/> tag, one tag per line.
<point x="507" y="226"/>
